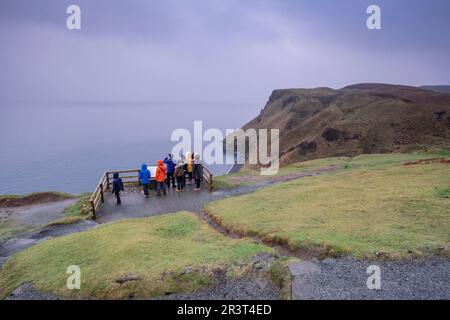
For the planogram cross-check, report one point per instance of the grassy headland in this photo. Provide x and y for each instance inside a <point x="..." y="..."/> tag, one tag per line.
<point x="392" y="205"/>
<point x="139" y="257"/>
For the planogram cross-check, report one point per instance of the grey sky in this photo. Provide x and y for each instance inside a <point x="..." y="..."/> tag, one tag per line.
<point x="220" y="50"/>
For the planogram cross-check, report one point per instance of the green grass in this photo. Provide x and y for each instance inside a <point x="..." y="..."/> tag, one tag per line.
<point x="378" y="205"/>
<point x="10" y="228"/>
<point x="444" y="192"/>
<point x="368" y="162"/>
<point x="157" y="250"/>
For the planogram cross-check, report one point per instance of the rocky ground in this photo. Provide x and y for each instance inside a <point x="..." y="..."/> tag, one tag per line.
<point x="346" y="279"/>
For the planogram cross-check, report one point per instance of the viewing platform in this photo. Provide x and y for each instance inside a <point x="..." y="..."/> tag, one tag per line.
<point x="131" y="183"/>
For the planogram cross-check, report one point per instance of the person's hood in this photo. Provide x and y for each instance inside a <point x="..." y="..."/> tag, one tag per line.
<point x="160" y="163"/>
<point x="144" y="167"/>
<point x="197" y="159"/>
<point x="115" y="175"/>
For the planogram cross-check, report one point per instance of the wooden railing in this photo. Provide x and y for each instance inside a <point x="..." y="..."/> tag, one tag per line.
<point x="99" y="194"/>
<point x="129" y="177"/>
<point x="208" y="178"/>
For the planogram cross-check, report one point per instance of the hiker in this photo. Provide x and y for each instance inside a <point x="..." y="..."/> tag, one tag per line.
<point x="179" y="175"/>
<point x="183" y="161"/>
<point x="144" y="179"/>
<point x="189" y="166"/>
<point x="117" y="187"/>
<point x="160" y="178"/>
<point x="170" y="171"/>
<point x="198" y="172"/>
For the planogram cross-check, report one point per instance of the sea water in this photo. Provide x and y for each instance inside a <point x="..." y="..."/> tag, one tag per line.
<point x="66" y="147"/>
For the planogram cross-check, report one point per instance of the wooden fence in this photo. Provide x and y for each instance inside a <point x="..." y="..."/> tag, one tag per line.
<point x="129" y="177"/>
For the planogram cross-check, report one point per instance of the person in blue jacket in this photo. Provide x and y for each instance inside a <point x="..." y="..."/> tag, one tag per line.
<point x="144" y="178"/>
<point x="117" y="187"/>
<point x="170" y="171"/>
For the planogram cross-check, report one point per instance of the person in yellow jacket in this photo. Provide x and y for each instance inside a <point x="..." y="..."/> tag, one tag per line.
<point x="190" y="166"/>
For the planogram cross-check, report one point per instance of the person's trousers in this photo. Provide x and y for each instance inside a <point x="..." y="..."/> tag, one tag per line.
<point x="197" y="183"/>
<point x="170" y="178"/>
<point x="180" y="184"/>
<point x="161" y="185"/>
<point x="184" y="180"/>
<point x="117" y="194"/>
<point x="145" y="187"/>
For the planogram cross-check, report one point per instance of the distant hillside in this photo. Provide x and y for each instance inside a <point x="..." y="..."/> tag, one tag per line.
<point x="441" y="89"/>
<point x="362" y="118"/>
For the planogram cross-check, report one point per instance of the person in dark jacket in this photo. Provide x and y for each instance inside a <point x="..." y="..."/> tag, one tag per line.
<point x="117" y="187"/>
<point x="144" y="178"/>
<point x="170" y="171"/>
<point x="179" y="174"/>
<point x="184" y="164"/>
<point x="198" y="172"/>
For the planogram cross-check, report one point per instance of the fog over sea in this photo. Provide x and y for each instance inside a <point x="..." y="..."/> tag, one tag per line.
<point x="67" y="146"/>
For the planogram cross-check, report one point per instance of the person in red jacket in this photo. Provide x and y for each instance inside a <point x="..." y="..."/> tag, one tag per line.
<point x="160" y="177"/>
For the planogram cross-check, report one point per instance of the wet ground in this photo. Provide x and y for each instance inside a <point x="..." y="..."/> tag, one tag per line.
<point x="135" y="205"/>
<point x="38" y="214"/>
<point x="34" y="220"/>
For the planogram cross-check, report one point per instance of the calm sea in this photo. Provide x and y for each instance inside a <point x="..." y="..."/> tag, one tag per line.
<point x="66" y="147"/>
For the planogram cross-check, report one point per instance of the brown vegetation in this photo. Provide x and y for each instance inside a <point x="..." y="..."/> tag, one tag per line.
<point x="359" y="119"/>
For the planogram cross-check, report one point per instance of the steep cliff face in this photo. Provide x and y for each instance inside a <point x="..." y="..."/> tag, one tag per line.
<point x="362" y="118"/>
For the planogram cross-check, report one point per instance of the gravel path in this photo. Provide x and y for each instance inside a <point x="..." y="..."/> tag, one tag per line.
<point x="346" y="278"/>
<point x="249" y="288"/>
<point x="28" y="292"/>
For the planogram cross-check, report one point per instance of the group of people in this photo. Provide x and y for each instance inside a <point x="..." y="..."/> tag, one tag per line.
<point x="169" y="174"/>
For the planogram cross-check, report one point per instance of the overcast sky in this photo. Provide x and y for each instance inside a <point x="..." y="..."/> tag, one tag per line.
<point x="215" y="50"/>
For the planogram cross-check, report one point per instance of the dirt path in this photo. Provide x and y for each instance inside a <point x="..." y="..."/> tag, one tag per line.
<point x="38" y="214"/>
<point x="28" y="225"/>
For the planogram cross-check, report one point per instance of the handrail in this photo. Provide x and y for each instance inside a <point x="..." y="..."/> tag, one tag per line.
<point x="98" y="196"/>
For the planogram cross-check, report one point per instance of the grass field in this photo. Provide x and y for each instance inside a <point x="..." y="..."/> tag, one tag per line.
<point x="373" y="205"/>
<point x="248" y="176"/>
<point x="170" y="253"/>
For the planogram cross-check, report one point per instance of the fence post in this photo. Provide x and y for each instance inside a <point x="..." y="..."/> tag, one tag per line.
<point x="210" y="182"/>
<point x="101" y="193"/>
<point x="93" y="210"/>
<point x="107" y="180"/>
